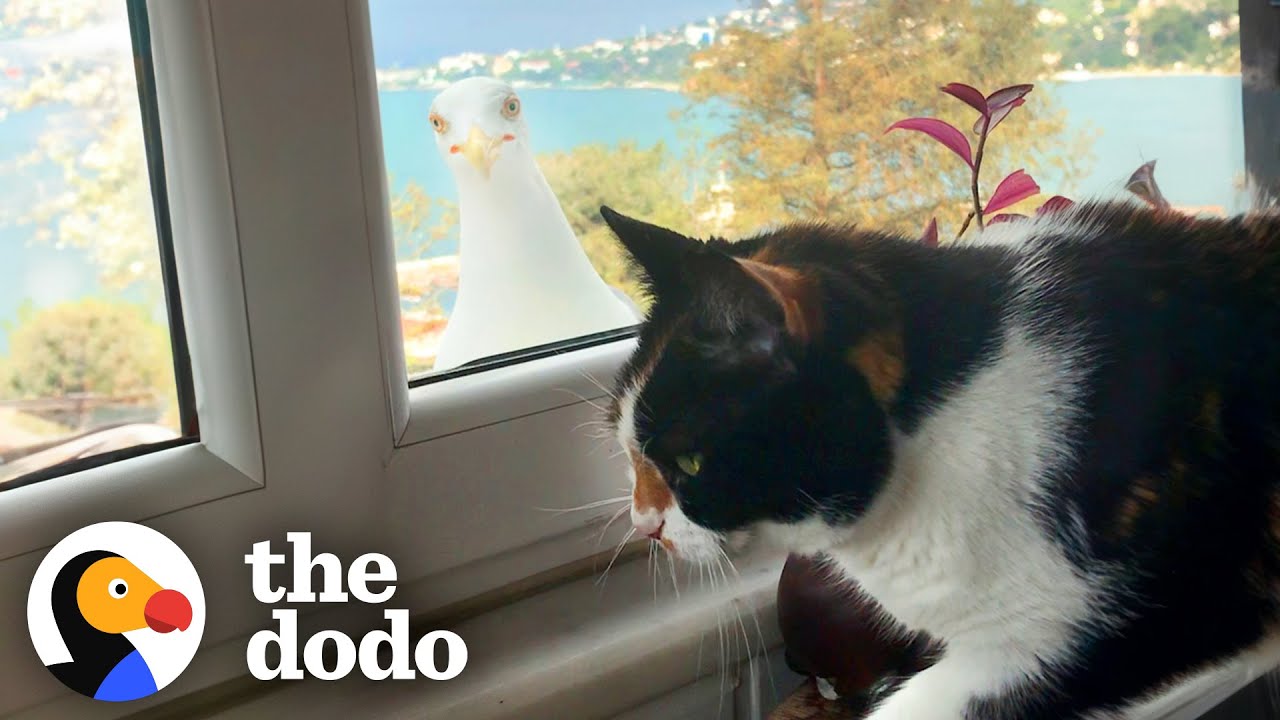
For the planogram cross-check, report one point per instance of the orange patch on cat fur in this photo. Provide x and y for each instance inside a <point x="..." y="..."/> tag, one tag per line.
<point x="880" y="360"/>
<point x="794" y="293"/>
<point x="1141" y="496"/>
<point x="651" y="491"/>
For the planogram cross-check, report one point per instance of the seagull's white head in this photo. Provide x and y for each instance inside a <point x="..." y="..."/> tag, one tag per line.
<point x="477" y="122"/>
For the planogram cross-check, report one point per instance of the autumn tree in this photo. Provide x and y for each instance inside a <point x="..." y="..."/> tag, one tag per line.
<point x="806" y="110"/>
<point x="107" y="349"/>
<point x="644" y="182"/>
<point x="100" y="197"/>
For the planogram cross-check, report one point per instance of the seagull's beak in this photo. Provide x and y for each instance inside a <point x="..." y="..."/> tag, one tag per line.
<point x="480" y="150"/>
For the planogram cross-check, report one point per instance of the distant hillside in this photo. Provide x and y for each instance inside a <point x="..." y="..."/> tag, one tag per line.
<point x="1082" y="35"/>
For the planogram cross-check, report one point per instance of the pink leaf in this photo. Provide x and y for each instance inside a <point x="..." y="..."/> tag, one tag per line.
<point x="930" y="236"/>
<point x="969" y="95"/>
<point x="1016" y="187"/>
<point x="942" y="132"/>
<point x="1005" y="217"/>
<point x="1057" y="203"/>
<point x="1006" y="96"/>
<point x="998" y="115"/>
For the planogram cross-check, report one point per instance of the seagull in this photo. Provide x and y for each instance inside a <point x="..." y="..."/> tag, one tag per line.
<point x="524" y="279"/>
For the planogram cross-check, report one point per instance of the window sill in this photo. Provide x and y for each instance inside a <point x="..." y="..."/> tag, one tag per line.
<point x="519" y="390"/>
<point x="1198" y="695"/>
<point x="37" y="516"/>
<point x="579" y="650"/>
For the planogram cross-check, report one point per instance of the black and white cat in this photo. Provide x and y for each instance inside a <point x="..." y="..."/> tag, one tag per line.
<point x="1054" y="448"/>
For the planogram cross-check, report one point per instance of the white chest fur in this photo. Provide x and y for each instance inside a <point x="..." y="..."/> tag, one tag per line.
<point x="951" y="546"/>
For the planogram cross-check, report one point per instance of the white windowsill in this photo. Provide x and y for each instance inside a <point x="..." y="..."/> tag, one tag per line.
<point x="518" y="390"/>
<point x="577" y="651"/>
<point x="37" y="516"/>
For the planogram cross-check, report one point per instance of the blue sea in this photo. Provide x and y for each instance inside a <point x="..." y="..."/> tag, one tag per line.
<point x="1191" y="124"/>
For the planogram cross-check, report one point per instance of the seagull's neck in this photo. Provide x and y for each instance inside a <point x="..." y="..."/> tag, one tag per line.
<point x="513" y="227"/>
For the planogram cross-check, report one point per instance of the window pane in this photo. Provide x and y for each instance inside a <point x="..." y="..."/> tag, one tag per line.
<point x="724" y="116"/>
<point x="86" y="360"/>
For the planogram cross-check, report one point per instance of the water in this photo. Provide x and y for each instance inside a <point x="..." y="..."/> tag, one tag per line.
<point x="1191" y="124"/>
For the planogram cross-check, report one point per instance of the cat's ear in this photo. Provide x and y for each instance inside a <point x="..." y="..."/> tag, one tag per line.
<point x="658" y="252"/>
<point x="796" y="294"/>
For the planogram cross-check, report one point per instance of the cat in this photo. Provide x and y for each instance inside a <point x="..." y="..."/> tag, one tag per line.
<point x="1053" y="447"/>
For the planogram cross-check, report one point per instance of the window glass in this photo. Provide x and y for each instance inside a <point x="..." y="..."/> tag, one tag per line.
<point x="724" y="116"/>
<point x="86" y="358"/>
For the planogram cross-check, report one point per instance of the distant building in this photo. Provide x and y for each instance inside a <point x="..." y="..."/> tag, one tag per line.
<point x="535" y="65"/>
<point x="503" y="65"/>
<point x="698" y="35"/>
<point x="461" y="63"/>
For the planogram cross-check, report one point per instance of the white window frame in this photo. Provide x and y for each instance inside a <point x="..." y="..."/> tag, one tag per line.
<point x="469" y="401"/>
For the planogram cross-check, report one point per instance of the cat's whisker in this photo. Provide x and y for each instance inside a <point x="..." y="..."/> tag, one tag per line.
<point x="675" y="586"/>
<point x="587" y="506"/>
<point x="722" y="642"/>
<point x="814" y="505"/>
<point x="755" y="619"/>
<point x="600" y="428"/>
<point x="583" y="399"/>
<point x="594" y="381"/>
<point x="737" y="612"/>
<point x="653" y="571"/>
<point x="604" y="576"/>
<point x="605" y="530"/>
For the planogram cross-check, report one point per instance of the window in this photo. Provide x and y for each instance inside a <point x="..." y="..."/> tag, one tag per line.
<point x="92" y="356"/>
<point x="720" y="116"/>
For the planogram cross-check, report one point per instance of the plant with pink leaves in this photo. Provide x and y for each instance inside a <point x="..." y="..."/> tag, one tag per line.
<point x="992" y="110"/>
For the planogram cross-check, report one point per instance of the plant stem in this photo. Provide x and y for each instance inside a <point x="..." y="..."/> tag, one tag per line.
<point x="977" y="167"/>
<point x="968" y="219"/>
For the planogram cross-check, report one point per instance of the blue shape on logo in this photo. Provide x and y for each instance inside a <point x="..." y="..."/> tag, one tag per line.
<point x="130" y="679"/>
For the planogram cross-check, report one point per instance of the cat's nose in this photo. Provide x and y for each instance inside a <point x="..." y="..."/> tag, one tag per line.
<point x="647" y="523"/>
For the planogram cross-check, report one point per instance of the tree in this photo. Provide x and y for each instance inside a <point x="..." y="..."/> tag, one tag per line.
<point x="644" y="182"/>
<point x="92" y="138"/>
<point x="420" y="221"/>
<point x="91" y="346"/>
<point x="807" y="109"/>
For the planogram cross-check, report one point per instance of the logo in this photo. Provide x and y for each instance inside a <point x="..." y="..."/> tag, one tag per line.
<point x="371" y="579"/>
<point x="116" y="611"/>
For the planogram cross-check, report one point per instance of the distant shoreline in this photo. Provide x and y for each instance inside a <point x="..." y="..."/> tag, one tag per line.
<point x="1083" y="75"/>
<point x="1060" y="76"/>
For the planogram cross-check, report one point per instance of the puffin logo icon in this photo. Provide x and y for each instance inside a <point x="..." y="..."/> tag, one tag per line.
<point x="116" y="611"/>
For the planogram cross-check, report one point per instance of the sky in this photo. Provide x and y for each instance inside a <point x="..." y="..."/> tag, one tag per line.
<point x="417" y="32"/>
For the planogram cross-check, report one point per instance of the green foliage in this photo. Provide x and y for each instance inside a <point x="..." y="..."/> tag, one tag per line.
<point x="645" y="182"/>
<point x="419" y="221"/>
<point x="91" y="346"/>
<point x="809" y="110"/>
<point x="1128" y="35"/>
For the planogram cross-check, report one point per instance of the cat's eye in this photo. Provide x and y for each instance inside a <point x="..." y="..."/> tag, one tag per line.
<point x="511" y="107"/>
<point x="438" y="123"/>
<point x="690" y="464"/>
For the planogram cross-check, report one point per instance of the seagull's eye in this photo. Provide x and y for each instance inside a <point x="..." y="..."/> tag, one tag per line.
<point x="439" y="123"/>
<point x="511" y="107"/>
<point x="690" y="464"/>
<point x="118" y="588"/>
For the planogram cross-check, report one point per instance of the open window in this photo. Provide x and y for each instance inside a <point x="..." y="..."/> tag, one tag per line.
<point x="93" y="354"/>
